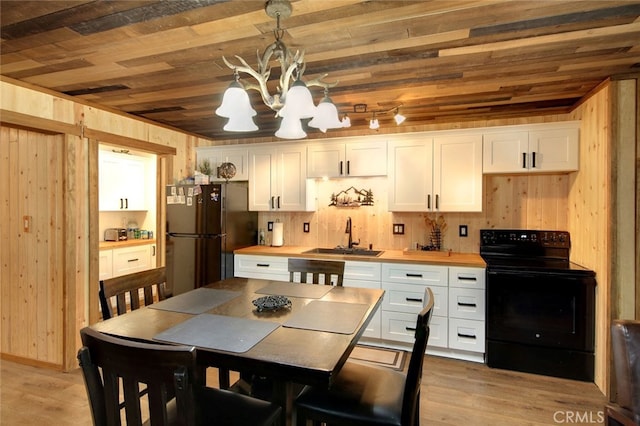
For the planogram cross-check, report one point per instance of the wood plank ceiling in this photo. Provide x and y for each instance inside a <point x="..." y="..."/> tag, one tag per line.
<point x="439" y="60"/>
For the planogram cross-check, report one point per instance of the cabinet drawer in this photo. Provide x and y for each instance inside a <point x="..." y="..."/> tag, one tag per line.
<point x="401" y="327"/>
<point x="467" y="335"/>
<point x="410" y="298"/>
<point x="467" y="303"/>
<point x="131" y="259"/>
<point x="415" y="274"/>
<point x="466" y="277"/>
<point x="369" y="271"/>
<point x="269" y="267"/>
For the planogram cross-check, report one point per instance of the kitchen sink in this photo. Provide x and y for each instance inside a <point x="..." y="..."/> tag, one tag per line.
<point x="345" y="251"/>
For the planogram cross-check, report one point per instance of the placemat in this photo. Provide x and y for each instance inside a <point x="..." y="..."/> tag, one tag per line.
<point x="334" y="317"/>
<point x="308" y="291"/>
<point x="219" y="332"/>
<point x="196" y="301"/>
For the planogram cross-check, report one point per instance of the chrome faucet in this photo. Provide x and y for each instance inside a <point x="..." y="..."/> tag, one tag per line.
<point x="351" y="243"/>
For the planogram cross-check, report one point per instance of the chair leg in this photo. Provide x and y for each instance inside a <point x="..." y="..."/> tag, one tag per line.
<point x="223" y="378"/>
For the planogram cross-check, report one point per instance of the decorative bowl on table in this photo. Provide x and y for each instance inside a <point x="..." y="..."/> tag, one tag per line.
<point x="271" y="303"/>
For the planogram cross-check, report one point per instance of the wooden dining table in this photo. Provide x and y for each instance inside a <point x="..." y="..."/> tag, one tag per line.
<point x="305" y="343"/>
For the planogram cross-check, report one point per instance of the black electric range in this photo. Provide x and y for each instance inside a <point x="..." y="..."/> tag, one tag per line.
<point x="540" y="305"/>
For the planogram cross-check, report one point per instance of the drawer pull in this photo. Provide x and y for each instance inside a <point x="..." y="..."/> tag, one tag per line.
<point x="410" y="328"/>
<point x="262" y="265"/>
<point x="414" y="275"/>
<point x="462" y="278"/>
<point x="468" y="305"/>
<point x="413" y="299"/>
<point x="133" y="260"/>
<point x="468" y="336"/>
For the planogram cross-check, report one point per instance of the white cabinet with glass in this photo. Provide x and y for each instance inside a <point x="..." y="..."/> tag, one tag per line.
<point x="347" y="159"/>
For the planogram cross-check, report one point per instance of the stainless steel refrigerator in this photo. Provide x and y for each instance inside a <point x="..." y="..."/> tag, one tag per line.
<point x="205" y="224"/>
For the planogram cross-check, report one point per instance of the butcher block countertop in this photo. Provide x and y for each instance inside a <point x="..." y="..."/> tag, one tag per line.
<point x="108" y="245"/>
<point x="397" y="256"/>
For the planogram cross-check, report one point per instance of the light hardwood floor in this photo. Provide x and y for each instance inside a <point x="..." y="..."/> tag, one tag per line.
<point x="453" y="393"/>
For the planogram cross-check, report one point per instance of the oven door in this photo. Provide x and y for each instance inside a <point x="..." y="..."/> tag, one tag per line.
<point x="541" y="309"/>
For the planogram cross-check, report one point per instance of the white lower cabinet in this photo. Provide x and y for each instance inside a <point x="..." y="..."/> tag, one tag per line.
<point x="265" y="267"/>
<point x="365" y="275"/>
<point x="126" y="260"/>
<point x="467" y="309"/>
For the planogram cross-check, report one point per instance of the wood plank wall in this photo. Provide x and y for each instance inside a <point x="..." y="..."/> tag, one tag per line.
<point x="33" y="275"/>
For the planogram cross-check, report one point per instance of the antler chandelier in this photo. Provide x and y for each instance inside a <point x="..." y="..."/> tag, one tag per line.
<point x="292" y="100"/>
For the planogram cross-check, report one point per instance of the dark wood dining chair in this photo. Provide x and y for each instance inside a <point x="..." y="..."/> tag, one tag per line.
<point x="115" y="370"/>
<point x="332" y="272"/>
<point x="365" y="394"/>
<point x="130" y="285"/>
<point x="625" y="341"/>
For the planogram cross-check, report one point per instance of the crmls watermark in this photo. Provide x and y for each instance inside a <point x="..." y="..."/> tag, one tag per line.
<point x="578" y="417"/>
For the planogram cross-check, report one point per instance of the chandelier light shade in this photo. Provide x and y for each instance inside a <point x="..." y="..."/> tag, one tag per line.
<point x="236" y="106"/>
<point x="291" y="128"/>
<point x="299" y="103"/>
<point x="327" y="116"/>
<point x="292" y="100"/>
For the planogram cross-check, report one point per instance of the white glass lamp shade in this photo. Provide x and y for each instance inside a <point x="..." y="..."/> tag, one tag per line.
<point x="291" y="128"/>
<point x="326" y="116"/>
<point x="236" y="106"/>
<point x="374" y="124"/>
<point x="399" y="118"/>
<point x="346" y="121"/>
<point x="298" y="102"/>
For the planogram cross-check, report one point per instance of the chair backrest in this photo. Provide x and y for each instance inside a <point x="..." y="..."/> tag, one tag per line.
<point x="110" y="364"/>
<point x="414" y="373"/>
<point x="130" y="285"/>
<point x="331" y="271"/>
<point x="625" y="339"/>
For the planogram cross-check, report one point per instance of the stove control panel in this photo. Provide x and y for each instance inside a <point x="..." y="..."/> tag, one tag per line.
<point x="493" y="237"/>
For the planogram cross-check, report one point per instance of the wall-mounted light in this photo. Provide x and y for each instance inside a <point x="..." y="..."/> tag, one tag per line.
<point x="399" y="117"/>
<point x="374" y="124"/>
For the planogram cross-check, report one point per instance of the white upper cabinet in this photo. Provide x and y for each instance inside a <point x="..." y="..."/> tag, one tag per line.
<point x="543" y="149"/>
<point x="410" y="174"/>
<point x="122" y="181"/>
<point x="221" y="154"/>
<point x="430" y="174"/>
<point x="277" y="178"/>
<point x="457" y="173"/>
<point x="347" y="159"/>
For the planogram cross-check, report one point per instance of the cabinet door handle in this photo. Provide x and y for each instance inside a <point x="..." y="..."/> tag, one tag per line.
<point x="348" y="167"/>
<point x="133" y="260"/>
<point x="153" y="250"/>
<point x="467" y="305"/>
<point x="413" y="299"/>
<point x="468" y="336"/>
<point x="524" y="160"/>
<point x="126" y="203"/>
<point x="121" y="204"/>
<point x="463" y="278"/>
<point x="262" y="265"/>
<point x="273" y="206"/>
<point x="410" y="328"/>
<point x="278" y="201"/>
<point x="533" y="159"/>
<point x="437" y="201"/>
<point x="341" y="168"/>
<point x="414" y="275"/>
<point x="429" y="201"/>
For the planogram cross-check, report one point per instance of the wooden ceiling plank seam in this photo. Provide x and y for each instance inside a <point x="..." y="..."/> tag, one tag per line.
<point x="581" y="35"/>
